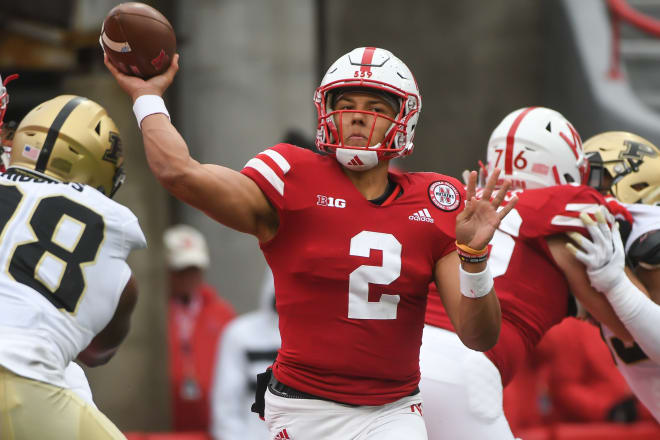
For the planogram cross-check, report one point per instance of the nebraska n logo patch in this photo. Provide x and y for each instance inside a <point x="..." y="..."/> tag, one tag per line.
<point x="444" y="195"/>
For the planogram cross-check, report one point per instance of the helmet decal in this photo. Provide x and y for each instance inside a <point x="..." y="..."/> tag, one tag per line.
<point x="115" y="152"/>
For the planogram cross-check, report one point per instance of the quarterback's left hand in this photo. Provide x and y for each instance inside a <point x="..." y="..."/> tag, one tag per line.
<point x="477" y="223"/>
<point x="603" y="255"/>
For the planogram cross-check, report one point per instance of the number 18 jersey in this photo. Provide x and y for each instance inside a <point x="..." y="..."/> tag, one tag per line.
<point x="351" y="276"/>
<point x="63" y="269"/>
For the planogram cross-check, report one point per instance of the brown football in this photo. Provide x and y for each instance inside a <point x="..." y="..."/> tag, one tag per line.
<point x="138" y="39"/>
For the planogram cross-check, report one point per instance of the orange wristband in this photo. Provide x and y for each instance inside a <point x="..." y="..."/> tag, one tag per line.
<point x="468" y="250"/>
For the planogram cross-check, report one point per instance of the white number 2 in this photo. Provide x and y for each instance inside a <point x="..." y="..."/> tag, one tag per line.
<point x="503" y="243"/>
<point x="359" y="306"/>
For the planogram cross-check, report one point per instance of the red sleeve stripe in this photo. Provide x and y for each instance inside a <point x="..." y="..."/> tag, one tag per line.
<point x="267" y="173"/>
<point x="510" y="139"/>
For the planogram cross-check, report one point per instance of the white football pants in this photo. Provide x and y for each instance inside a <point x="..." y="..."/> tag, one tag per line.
<point x="462" y="390"/>
<point x="311" y="419"/>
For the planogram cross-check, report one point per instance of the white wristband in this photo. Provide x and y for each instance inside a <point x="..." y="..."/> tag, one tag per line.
<point x="475" y="285"/>
<point x="146" y="105"/>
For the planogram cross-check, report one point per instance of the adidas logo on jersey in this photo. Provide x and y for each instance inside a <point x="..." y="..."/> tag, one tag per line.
<point x="422" y="215"/>
<point x="282" y="435"/>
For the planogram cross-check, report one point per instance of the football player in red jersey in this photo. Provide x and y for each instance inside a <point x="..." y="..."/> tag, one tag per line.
<point x="535" y="275"/>
<point x="352" y="246"/>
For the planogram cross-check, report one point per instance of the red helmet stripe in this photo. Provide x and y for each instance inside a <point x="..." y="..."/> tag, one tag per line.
<point x="367" y="58"/>
<point x="574" y="142"/>
<point x="510" y="138"/>
<point x="555" y="173"/>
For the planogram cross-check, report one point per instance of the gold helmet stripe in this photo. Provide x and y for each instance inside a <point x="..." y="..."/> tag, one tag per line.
<point x="54" y="132"/>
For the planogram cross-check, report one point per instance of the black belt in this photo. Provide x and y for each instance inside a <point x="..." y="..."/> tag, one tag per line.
<point x="279" y="389"/>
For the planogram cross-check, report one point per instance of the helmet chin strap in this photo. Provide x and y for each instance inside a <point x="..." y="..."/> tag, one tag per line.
<point x="357" y="160"/>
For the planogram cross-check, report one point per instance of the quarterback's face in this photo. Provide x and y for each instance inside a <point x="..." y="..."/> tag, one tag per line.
<point x="355" y="127"/>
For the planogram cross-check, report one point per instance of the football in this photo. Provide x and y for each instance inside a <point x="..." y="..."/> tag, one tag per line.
<point x="138" y="40"/>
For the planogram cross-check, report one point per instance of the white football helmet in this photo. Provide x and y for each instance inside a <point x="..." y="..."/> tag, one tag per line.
<point x="536" y="147"/>
<point x="375" y="70"/>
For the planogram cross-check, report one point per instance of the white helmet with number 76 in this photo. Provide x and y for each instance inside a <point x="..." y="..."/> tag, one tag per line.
<point x="536" y="147"/>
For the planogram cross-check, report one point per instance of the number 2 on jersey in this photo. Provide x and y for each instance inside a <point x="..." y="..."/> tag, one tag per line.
<point x="359" y="306"/>
<point x="66" y="236"/>
<point x="503" y="243"/>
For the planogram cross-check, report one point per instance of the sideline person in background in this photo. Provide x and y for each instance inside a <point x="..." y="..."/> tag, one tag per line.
<point x="197" y="316"/>
<point x="67" y="291"/>
<point x="248" y="346"/>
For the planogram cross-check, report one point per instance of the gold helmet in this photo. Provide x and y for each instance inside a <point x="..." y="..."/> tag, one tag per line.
<point x="633" y="165"/>
<point x="72" y="139"/>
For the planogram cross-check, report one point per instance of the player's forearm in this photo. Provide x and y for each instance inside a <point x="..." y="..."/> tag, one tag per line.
<point x="476" y="316"/>
<point x="638" y="314"/>
<point x="106" y="343"/>
<point x="480" y="321"/>
<point x="166" y="151"/>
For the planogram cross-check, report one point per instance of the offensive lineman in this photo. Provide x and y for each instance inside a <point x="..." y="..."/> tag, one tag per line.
<point x="627" y="166"/>
<point x="351" y="244"/>
<point x="66" y="291"/>
<point x="535" y="276"/>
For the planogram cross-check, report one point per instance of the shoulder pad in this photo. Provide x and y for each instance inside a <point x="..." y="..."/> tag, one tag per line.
<point x="645" y="251"/>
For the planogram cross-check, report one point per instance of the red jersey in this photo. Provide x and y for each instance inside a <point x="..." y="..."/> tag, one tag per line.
<point x="351" y="277"/>
<point x="533" y="292"/>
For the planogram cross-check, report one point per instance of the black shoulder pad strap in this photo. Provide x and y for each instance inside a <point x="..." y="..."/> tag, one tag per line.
<point x="625" y="228"/>
<point x="646" y="249"/>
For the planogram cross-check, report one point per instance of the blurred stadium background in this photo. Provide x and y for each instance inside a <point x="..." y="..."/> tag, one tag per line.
<point x="248" y="72"/>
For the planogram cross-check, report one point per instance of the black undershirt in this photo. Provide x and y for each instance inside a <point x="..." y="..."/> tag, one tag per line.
<point x="391" y="186"/>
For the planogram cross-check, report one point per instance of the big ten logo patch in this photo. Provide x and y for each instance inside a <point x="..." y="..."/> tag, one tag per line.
<point x="330" y="201"/>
